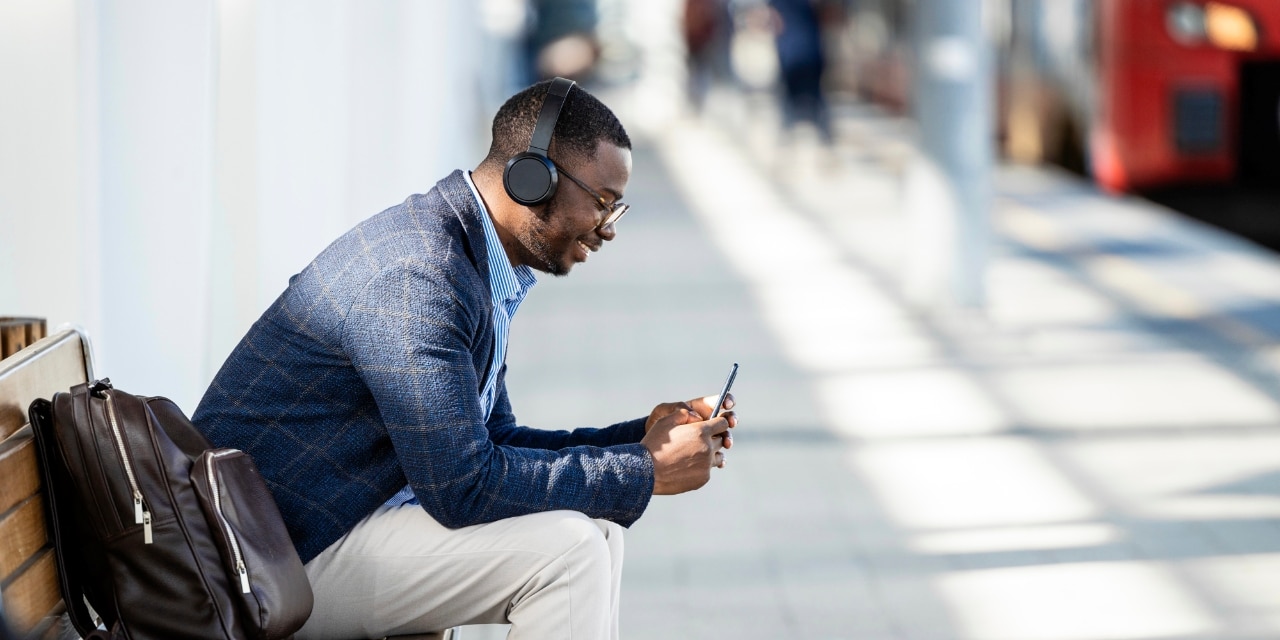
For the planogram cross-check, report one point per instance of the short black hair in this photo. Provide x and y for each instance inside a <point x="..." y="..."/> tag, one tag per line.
<point x="583" y="122"/>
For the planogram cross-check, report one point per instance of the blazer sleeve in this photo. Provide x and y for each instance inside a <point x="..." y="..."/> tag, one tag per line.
<point x="409" y="335"/>
<point x="503" y="429"/>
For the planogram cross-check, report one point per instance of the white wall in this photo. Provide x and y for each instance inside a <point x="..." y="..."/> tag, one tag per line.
<point x="42" y="241"/>
<point x="166" y="166"/>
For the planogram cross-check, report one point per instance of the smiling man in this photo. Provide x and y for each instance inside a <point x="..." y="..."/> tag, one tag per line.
<point x="371" y="394"/>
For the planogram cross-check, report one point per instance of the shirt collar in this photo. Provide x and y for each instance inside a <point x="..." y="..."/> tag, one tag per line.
<point x="505" y="281"/>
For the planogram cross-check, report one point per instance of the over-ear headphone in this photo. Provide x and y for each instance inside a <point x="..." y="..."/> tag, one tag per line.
<point x="531" y="177"/>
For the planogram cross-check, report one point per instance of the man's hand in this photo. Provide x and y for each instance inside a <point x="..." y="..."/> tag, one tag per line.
<point x="703" y="407"/>
<point x="685" y="446"/>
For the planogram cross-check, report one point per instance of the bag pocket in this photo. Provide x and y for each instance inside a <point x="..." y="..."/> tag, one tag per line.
<point x="264" y="573"/>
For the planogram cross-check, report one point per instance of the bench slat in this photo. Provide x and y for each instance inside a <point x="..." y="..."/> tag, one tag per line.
<point x="38" y="371"/>
<point x="22" y="534"/>
<point x="21" y="476"/>
<point x="32" y="594"/>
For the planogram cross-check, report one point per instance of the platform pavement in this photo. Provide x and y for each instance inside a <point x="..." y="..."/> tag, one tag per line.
<point x="1095" y="456"/>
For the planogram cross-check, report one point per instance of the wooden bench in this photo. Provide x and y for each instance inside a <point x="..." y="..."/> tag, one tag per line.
<point x="32" y="602"/>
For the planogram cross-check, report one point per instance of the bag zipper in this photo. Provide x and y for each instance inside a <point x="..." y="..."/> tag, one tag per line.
<point x="231" y="535"/>
<point x="140" y="514"/>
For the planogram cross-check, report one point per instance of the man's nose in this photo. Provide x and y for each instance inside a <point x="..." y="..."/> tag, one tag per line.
<point x="607" y="232"/>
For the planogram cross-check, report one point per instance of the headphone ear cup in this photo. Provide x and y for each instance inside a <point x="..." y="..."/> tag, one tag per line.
<point x="530" y="179"/>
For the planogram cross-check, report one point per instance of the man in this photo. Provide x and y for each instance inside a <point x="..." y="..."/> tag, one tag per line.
<point x="371" y="394"/>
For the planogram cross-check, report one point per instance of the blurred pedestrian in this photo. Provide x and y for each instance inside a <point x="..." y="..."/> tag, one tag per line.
<point x="801" y="63"/>
<point x="708" y="30"/>
<point x="562" y="39"/>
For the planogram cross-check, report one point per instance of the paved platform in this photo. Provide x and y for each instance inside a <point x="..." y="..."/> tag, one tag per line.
<point x="1095" y="456"/>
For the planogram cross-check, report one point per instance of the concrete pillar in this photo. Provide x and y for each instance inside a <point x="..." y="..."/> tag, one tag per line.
<point x="948" y="188"/>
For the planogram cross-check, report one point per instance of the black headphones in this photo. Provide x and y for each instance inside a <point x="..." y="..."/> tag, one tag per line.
<point x="531" y="177"/>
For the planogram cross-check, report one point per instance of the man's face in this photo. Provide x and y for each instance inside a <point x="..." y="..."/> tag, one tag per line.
<point x="566" y="230"/>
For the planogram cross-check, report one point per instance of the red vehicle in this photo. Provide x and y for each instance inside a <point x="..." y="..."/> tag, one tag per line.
<point x="1188" y="92"/>
<point x="1138" y="93"/>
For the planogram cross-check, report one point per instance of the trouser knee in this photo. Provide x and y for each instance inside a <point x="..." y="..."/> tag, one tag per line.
<point x="587" y="541"/>
<point x="613" y="537"/>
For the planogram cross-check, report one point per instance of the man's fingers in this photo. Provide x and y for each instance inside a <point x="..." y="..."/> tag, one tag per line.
<point x="732" y="417"/>
<point x="712" y="428"/>
<point x="719" y="460"/>
<point x="728" y="401"/>
<point x="679" y="417"/>
<point x="664" y="410"/>
<point x="725" y="438"/>
<point x="706" y="405"/>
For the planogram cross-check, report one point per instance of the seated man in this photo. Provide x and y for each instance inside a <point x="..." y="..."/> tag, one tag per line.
<point x="371" y="394"/>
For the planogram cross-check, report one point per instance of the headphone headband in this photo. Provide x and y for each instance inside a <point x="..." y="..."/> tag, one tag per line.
<point x="551" y="106"/>
<point x="530" y="178"/>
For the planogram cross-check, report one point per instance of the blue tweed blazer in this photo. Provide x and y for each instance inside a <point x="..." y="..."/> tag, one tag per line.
<point x="365" y="375"/>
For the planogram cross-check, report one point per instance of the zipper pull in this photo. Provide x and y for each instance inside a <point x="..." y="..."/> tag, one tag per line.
<point x="137" y="507"/>
<point x="244" y="577"/>
<point x="146" y="527"/>
<point x="100" y="387"/>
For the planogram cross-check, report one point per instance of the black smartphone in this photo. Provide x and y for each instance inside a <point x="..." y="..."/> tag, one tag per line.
<point x="728" y="384"/>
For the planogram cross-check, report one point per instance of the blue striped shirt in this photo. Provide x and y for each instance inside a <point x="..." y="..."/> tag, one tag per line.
<point x="508" y="286"/>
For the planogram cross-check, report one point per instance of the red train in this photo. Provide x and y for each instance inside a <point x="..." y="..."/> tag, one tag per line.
<point x="1139" y="94"/>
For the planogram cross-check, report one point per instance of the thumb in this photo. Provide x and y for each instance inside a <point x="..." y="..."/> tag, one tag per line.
<point x="677" y="418"/>
<point x="715" y="427"/>
<point x="662" y="411"/>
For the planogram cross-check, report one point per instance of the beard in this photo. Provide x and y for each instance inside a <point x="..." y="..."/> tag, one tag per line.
<point x="546" y="256"/>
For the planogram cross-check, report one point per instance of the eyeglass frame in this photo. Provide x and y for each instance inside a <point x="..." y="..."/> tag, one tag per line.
<point x="614" y="211"/>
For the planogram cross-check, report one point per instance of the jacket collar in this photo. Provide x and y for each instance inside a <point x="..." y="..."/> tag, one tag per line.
<point x="453" y="188"/>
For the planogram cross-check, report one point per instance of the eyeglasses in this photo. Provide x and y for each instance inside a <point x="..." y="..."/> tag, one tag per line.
<point x="613" y="212"/>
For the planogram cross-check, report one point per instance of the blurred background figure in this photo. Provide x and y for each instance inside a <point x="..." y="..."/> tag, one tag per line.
<point x="562" y="39"/>
<point x="707" y="26"/>
<point x="802" y="61"/>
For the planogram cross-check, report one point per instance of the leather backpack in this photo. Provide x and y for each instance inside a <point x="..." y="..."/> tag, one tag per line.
<point x="162" y="535"/>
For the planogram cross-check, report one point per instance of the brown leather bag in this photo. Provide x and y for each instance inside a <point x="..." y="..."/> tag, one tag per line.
<point x="163" y="535"/>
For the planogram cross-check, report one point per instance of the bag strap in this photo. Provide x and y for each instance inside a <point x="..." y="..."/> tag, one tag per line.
<point x="66" y="552"/>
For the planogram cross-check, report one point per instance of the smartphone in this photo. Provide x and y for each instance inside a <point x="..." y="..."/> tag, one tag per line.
<point x="728" y="384"/>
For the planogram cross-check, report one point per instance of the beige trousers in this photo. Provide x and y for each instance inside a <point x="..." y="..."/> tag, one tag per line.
<point x="399" y="572"/>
